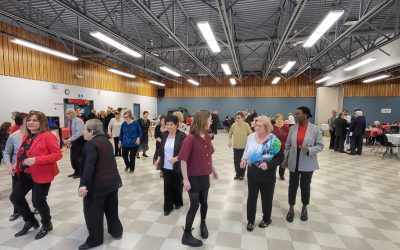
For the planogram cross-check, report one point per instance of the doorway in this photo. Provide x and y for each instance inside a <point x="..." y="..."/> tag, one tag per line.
<point x="136" y="110"/>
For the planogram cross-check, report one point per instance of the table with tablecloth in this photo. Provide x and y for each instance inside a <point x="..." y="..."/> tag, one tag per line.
<point x="394" y="139"/>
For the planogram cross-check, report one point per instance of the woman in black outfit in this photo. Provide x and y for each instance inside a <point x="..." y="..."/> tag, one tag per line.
<point x="158" y="131"/>
<point x="171" y="143"/>
<point x="99" y="185"/>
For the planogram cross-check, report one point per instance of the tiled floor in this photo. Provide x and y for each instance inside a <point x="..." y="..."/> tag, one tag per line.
<point x="355" y="204"/>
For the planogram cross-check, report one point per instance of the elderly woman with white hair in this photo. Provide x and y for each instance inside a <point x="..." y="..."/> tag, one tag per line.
<point x="356" y="132"/>
<point x="262" y="154"/>
<point x="99" y="185"/>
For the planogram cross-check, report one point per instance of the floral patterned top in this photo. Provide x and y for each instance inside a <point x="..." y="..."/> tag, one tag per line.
<point x="256" y="153"/>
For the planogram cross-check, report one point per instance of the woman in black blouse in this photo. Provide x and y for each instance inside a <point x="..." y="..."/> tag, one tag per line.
<point x="170" y="146"/>
<point x="99" y="185"/>
<point x="158" y="131"/>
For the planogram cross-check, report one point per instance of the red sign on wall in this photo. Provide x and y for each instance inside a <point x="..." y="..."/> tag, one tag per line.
<point x="78" y="101"/>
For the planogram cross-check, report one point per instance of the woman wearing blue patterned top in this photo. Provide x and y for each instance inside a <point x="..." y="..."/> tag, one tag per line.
<point x="262" y="155"/>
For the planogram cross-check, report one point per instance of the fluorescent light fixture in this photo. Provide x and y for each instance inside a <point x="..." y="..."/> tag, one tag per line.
<point x="323" y="79"/>
<point x="115" y="44"/>
<point x="233" y="81"/>
<point x="157" y="83"/>
<point x="44" y="49"/>
<point x="276" y="80"/>
<point x="323" y="27"/>
<point x="121" y="73"/>
<point x="193" y="82"/>
<point x="208" y="35"/>
<point x="288" y="66"/>
<point x="170" y="71"/>
<point x="375" y="78"/>
<point x="362" y="63"/>
<point x="226" y="69"/>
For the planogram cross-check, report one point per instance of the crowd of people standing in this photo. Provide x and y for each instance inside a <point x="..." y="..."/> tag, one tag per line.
<point x="183" y="154"/>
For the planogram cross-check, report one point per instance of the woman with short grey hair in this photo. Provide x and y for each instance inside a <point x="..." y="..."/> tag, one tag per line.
<point x="99" y="185"/>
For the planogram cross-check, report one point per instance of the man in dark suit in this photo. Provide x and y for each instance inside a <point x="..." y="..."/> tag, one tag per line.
<point x="92" y="115"/>
<point x="340" y="125"/>
<point x="356" y="132"/>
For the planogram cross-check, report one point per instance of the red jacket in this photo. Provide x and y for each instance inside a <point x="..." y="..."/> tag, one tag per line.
<point x="47" y="152"/>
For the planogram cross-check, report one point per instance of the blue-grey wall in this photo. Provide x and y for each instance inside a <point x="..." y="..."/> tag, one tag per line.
<point x="372" y="106"/>
<point x="229" y="106"/>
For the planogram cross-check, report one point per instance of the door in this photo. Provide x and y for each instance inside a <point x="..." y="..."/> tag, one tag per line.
<point x="136" y="110"/>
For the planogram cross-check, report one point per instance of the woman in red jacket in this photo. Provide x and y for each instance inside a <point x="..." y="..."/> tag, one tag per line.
<point x="36" y="168"/>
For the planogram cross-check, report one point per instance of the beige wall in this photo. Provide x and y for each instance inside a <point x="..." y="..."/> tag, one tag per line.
<point x="328" y="99"/>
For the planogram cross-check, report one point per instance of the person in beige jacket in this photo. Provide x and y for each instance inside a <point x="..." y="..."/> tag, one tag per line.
<point x="239" y="131"/>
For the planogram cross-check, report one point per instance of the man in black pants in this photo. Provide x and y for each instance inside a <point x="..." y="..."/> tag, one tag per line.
<point x="340" y="124"/>
<point x="356" y="132"/>
<point x="75" y="141"/>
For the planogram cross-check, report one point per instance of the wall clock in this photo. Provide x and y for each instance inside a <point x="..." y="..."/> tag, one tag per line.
<point x="67" y="91"/>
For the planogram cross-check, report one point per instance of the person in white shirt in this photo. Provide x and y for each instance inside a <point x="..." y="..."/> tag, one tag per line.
<point x="114" y="128"/>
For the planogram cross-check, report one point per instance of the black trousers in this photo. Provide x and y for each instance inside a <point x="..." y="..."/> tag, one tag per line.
<point x="94" y="209"/>
<point x="332" y="140"/>
<point x="196" y="198"/>
<point x="339" y="143"/>
<point x="305" y="184"/>
<point x="356" y="143"/>
<point x="117" y="151"/>
<point x="172" y="189"/>
<point x="237" y="157"/>
<point x="39" y="198"/>
<point x="282" y="171"/>
<point x="76" y="154"/>
<point x="129" y="155"/>
<point x="266" y="188"/>
<point x="14" y="179"/>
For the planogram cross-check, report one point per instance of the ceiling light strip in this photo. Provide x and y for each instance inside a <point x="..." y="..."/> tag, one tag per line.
<point x="115" y="71"/>
<point x="157" y="83"/>
<point x="373" y="79"/>
<point x="323" y="27"/>
<point x="208" y="36"/>
<point x="362" y="63"/>
<point x="288" y="66"/>
<point x="115" y="44"/>
<point x="276" y="80"/>
<point x="170" y="71"/>
<point x="226" y="69"/>
<point x="193" y="82"/>
<point x="44" y="49"/>
<point x="323" y="79"/>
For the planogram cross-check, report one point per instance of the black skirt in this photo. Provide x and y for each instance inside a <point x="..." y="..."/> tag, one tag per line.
<point x="199" y="183"/>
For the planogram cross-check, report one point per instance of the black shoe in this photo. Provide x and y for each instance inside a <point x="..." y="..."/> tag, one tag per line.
<point x="236" y="177"/>
<point x="304" y="214"/>
<point x="144" y="155"/>
<point x="131" y="171"/>
<point x="76" y="176"/>
<point x="290" y="216"/>
<point x="28" y="225"/>
<point x="342" y="151"/>
<point x="264" y="224"/>
<point x="241" y="178"/>
<point x="137" y="157"/>
<point x="86" y="246"/>
<point x="203" y="229"/>
<point x="282" y="178"/>
<point x="35" y="211"/>
<point x="13" y="217"/>
<point x="250" y="227"/>
<point x="177" y="207"/>
<point x="43" y="231"/>
<point x="189" y="240"/>
<point x="71" y="175"/>
<point x="351" y="153"/>
<point x="166" y="213"/>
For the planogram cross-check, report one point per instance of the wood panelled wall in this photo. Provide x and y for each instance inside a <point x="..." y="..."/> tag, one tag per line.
<point x="298" y="87"/>
<point x="250" y="87"/>
<point x="20" y="61"/>
<point x="379" y="88"/>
